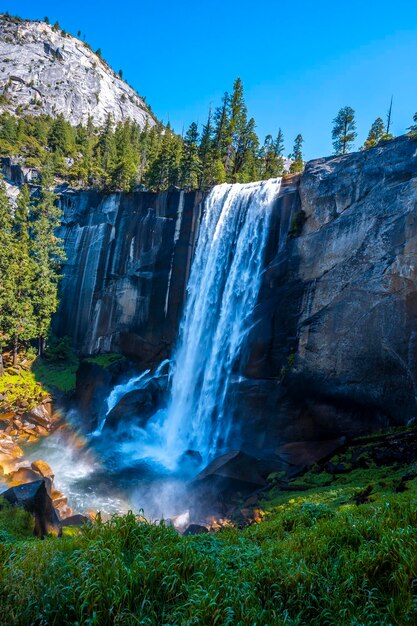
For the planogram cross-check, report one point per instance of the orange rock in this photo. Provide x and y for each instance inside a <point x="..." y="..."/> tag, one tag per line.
<point x="43" y="468"/>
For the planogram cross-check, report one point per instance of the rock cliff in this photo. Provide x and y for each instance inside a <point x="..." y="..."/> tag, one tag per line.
<point x="128" y="259"/>
<point x="334" y="347"/>
<point x="44" y="70"/>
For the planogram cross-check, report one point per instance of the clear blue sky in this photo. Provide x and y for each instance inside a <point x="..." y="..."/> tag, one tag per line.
<point x="300" y="62"/>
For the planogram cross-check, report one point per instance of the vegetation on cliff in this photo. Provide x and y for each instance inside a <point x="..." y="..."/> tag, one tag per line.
<point x="124" y="155"/>
<point x="340" y="550"/>
<point x="30" y="261"/>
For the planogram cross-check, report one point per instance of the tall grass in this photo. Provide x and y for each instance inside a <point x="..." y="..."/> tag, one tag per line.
<point x="317" y="559"/>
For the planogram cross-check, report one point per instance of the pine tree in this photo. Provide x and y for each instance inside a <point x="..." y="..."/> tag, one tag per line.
<point x="7" y="270"/>
<point x="22" y="323"/>
<point x="239" y="131"/>
<point x="298" y="164"/>
<point x="60" y="137"/>
<point x="375" y="134"/>
<point x="413" y="127"/>
<point x="190" y="167"/>
<point x="221" y="125"/>
<point x="206" y="150"/>
<point x="344" y="130"/>
<point x="48" y="255"/>
<point x="271" y="157"/>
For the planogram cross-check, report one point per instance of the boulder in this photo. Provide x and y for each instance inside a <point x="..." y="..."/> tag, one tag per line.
<point x="75" y="520"/>
<point x="136" y="407"/>
<point x="43" y="468"/>
<point x="34" y="498"/>
<point x="306" y="453"/>
<point x="241" y="468"/>
<point x="196" y="529"/>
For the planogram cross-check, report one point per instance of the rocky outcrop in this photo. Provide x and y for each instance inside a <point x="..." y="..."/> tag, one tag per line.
<point x="45" y="70"/>
<point x="34" y="498"/>
<point x="128" y="259"/>
<point x="337" y="316"/>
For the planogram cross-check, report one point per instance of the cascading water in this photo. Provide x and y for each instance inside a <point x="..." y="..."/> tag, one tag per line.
<point x="222" y="293"/>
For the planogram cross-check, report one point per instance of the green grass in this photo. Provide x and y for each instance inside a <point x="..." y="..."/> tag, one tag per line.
<point x="105" y="360"/>
<point x="316" y="559"/>
<point x="56" y="376"/>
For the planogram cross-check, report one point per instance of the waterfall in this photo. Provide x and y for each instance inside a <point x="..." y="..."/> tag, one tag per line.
<point x="221" y="295"/>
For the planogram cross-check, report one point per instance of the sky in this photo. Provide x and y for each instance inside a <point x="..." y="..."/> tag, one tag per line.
<point x="300" y="62"/>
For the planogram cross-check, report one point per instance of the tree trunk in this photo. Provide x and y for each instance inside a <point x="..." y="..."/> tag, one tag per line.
<point x="40" y="346"/>
<point x="1" y="364"/>
<point x="15" y="349"/>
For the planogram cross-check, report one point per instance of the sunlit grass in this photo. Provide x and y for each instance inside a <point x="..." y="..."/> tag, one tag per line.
<point x="318" y="558"/>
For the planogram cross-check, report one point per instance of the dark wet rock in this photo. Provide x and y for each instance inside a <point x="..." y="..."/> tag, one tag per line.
<point x="93" y="385"/>
<point x="235" y="466"/>
<point x="136" y="407"/>
<point x="196" y="529"/>
<point x="190" y="461"/>
<point x="75" y="520"/>
<point x="34" y="498"/>
<point x="306" y="453"/>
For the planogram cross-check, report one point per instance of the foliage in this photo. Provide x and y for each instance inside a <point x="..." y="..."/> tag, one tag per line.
<point x="297" y="165"/>
<point x="317" y="558"/>
<point x="29" y="267"/>
<point x="17" y="385"/>
<point x="122" y="156"/>
<point x="105" y="360"/>
<point x="56" y="376"/>
<point x="297" y="223"/>
<point x="344" y="130"/>
<point x="376" y="133"/>
<point x="413" y="127"/>
<point x="15" y="523"/>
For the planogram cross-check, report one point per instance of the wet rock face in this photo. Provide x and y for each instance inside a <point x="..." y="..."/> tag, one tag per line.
<point x="128" y="259"/>
<point x="338" y="309"/>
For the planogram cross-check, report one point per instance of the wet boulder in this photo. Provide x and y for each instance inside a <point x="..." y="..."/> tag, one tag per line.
<point x="196" y="529"/>
<point x="34" y="498"/>
<point x="136" y="407"/>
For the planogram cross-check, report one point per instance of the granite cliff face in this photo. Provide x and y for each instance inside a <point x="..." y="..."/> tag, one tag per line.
<point x="128" y="261"/>
<point x="334" y="348"/>
<point x="43" y="70"/>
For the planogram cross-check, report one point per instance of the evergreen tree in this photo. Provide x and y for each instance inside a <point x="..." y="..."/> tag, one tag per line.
<point x="206" y="150"/>
<point x="375" y="135"/>
<point x="7" y="270"/>
<point x="60" y="137"/>
<point x="271" y="157"/>
<point x="344" y="130"/>
<point x="297" y="155"/>
<point x="190" y="167"/>
<point x="413" y="127"/>
<point x="48" y="255"/>
<point x="22" y="323"/>
<point x="221" y="125"/>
